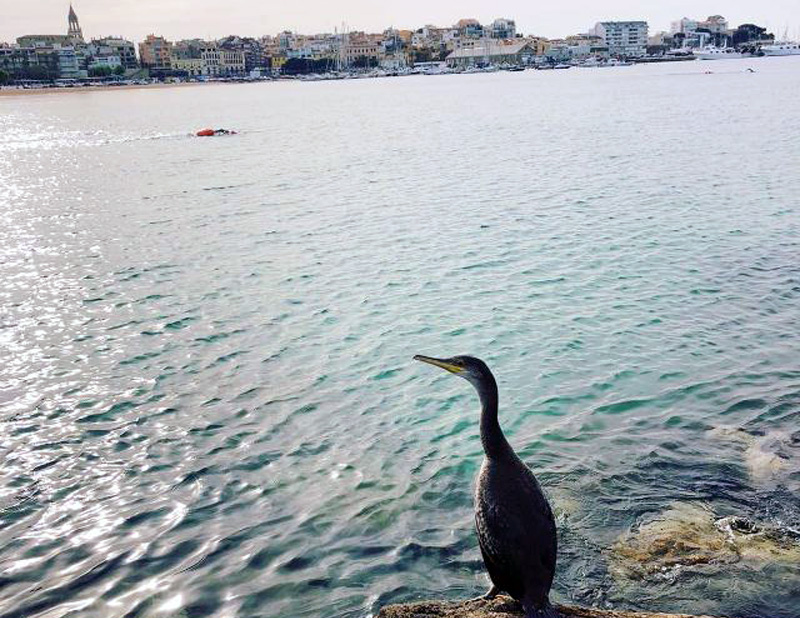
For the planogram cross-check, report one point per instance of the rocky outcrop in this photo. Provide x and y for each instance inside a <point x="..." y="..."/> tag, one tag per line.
<point x="501" y="607"/>
<point x="690" y="535"/>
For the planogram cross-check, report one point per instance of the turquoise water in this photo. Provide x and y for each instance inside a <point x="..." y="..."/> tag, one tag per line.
<point x="209" y="406"/>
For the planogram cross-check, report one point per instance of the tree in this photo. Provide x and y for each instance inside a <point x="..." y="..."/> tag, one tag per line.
<point x="37" y="73"/>
<point x="750" y="32"/>
<point x="4" y="77"/>
<point x="719" y="39"/>
<point x="364" y="62"/>
<point x="303" y="66"/>
<point x="100" y="71"/>
<point x="422" y="55"/>
<point x="120" y="70"/>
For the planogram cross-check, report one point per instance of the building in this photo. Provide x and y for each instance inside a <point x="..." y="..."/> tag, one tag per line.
<point x="185" y="58"/>
<point x="538" y="44"/>
<point x="469" y="28"/>
<point x="118" y="46"/>
<point x="190" y="67"/>
<point x="583" y="46"/>
<point x="197" y="58"/>
<point x="155" y="53"/>
<point x="29" y="63"/>
<point x="286" y="41"/>
<point x="361" y="50"/>
<point x="558" y="51"/>
<point x="715" y="24"/>
<point x="68" y="64"/>
<point x="73" y="37"/>
<point x="428" y="37"/>
<point x="493" y="52"/>
<point x="660" y="42"/>
<point x="693" y="33"/>
<point x="101" y="56"/>
<point x="626" y="39"/>
<point x="109" y="62"/>
<point x="74" y="31"/>
<point x="394" y="48"/>
<point x="231" y="63"/>
<point x="64" y="54"/>
<point x="255" y="56"/>
<point x="683" y="26"/>
<point x="502" y="28"/>
<point x="576" y="48"/>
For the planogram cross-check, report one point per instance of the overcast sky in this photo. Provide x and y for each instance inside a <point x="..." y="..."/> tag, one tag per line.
<point x="177" y="19"/>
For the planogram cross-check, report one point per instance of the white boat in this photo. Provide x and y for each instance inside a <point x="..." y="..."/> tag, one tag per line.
<point x="602" y="62"/>
<point x="712" y="52"/>
<point x="782" y="48"/>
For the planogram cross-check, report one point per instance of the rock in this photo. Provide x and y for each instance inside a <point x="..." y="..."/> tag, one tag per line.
<point x="689" y="535"/>
<point x="683" y="535"/>
<point x="771" y="458"/>
<point x="501" y="607"/>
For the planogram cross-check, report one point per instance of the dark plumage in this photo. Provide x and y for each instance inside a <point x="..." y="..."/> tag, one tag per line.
<point x="515" y="526"/>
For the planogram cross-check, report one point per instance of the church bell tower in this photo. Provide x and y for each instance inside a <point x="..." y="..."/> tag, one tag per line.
<point x="74" y="31"/>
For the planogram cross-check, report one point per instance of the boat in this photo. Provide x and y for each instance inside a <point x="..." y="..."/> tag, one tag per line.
<point x="592" y="62"/>
<point x="712" y="52"/>
<point x="782" y="48"/>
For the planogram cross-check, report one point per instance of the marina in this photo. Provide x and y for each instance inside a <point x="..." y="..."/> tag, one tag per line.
<point x="434" y="69"/>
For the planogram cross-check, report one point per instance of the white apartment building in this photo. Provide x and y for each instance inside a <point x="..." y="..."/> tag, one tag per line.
<point x="683" y="25"/>
<point x="715" y="24"/>
<point x="105" y="62"/>
<point x="623" y="38"/>
<point x="503" y="28"/>
<point x="427" y="36"/>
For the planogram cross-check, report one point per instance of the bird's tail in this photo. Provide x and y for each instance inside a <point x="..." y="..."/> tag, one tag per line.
<point x="545" y="611"/>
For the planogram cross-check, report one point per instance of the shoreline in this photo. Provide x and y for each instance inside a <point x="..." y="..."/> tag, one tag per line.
<point x="14" y="92"/>
<point x="6" y="91"/>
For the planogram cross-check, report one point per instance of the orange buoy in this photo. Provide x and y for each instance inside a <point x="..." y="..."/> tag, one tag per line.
<point x="205" y="133"/>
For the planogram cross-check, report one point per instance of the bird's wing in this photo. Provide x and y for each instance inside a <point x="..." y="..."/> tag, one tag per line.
<point x="520" y="531"/>
<point x="496" y="557"/>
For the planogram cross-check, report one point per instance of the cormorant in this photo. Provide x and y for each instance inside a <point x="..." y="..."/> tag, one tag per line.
<point x="514" y="522"/>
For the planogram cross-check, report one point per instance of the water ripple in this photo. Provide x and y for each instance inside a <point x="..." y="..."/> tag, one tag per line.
<point x="207" y="402"/>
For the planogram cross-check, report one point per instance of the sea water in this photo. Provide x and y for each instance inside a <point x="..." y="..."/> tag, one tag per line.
<point x="208" y="404"/>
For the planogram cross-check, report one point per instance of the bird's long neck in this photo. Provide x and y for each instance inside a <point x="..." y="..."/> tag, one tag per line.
<point x="494" y="442"/>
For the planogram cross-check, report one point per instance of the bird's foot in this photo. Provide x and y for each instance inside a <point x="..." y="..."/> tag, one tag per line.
<point x="492" y="593"/>
<point x="545" y="611"/>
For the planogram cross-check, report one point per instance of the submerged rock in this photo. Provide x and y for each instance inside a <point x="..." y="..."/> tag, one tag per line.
<point x="771" y="458"/>
<point x="683" y="535"/>
<point x="500" y="607"/>
<point x="690" y="535"/>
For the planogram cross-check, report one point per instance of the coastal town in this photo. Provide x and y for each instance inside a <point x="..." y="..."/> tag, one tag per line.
<point x="71" y="59"/>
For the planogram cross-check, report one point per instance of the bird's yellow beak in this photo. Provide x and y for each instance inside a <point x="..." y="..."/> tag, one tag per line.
<point x="438" y="362"/>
